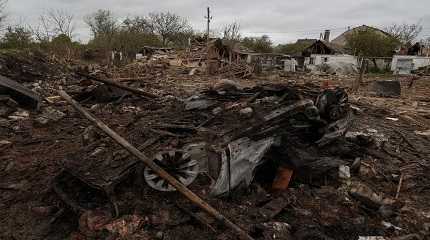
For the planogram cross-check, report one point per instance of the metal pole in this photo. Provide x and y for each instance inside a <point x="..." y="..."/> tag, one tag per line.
<point x="209" y="18"/>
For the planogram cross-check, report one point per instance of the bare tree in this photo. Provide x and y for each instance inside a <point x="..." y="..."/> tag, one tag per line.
<point x="61" y="22"/>
<point x="405" y="33"/>
<point x="102" y="22"/>
<point x="168" y="26"/>
<point x="42" y="31"/>
<point x="231" y="32"/>
<point x="52" y="24"/>
<point x="137" y="24"/>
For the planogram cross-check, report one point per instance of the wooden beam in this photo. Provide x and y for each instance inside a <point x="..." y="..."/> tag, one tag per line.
<point x="121" y="86"/>
<point x="157" y="169"/>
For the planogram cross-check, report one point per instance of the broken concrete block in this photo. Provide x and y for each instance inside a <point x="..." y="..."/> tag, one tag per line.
<point x="20" y="115"/>
<point x="125" y="226"/>
<point x="344" y="172"/>
<point x="49" y="114"/>
<point x="388" y="225"/>
<point x="93" y="221"/>
<point x="246" y="112"/>
<point x="97" y="151"/>
<point x="277" y="230"/>
<point x="366" y="195"/>
<point x="226" y="85"/>
<point x="90" y="135"/>
<point x="4" y="143"/>
<point x="423" y="133"/>
<point x="193" y="71"/>
<point x="216" y="110"/>
<point x="198" y="104"/>
<point x="386" y="88"/>
<point x="273" y="208"/>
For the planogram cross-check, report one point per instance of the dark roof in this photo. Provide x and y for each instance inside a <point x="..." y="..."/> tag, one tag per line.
<point x="323" y="47"/>
<point x="306" y="41"/>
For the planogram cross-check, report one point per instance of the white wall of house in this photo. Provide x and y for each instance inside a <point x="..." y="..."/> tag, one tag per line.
<point x="318" y="59"/>
<point x="404" y="64"/>
<point x="290" y="65"/>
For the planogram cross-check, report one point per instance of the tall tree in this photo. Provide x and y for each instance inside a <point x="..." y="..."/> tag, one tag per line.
<point x="62" y="22"/>
<point x="405" y="33"/>
<point x="16" y="38"/>
<point x="53" y="23"/>
<point x="132" y="35"/>
<point x="231" y="32"/>
<point x="261" y="44"/>
<point x="137" y="24"/>
<point x="102" y="23"/>
<point x="292" y="48"/>
<point x="169" y="26"/>
<point x="369" y="43"/>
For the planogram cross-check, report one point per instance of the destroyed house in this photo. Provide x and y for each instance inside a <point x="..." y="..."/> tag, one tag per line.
<point x="323" y="48"/>
<point x="263" y="61"/>
<point x="411" y="58"/>
<point x="150" y="50"/>
<point x="323" y="52"/>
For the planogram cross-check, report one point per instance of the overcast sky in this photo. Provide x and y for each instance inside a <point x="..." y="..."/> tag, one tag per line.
<point x="283" y="20"/>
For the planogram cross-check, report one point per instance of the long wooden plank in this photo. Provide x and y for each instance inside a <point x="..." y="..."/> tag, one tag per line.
<point x="121" y="86"/>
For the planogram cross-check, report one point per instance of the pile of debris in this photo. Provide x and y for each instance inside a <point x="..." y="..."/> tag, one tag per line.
<point x="138" y="70"/>
<point x="422" y="71"/>
<point x="197" y="52"/>
<point x="283" y="161"/>
<point x="229" y="135"/>
<point x="235" y="70"/>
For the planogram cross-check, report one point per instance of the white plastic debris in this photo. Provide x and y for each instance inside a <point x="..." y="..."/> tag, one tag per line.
<point x="392" y="119"/>
<point x="246" y="112"/>
<point x="388" y="225"/>
<point x="344" y="172"/>
<point x="20" y="115"/>
<point x="423" y="133"/>
<point x="4" y="143"/>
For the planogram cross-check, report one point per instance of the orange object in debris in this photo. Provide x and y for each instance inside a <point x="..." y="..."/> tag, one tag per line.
<point x="282" y="179"/>
<point x="326" y="84"/>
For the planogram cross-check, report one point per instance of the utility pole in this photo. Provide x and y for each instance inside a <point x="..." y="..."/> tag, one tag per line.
<point x="209" y="18"/>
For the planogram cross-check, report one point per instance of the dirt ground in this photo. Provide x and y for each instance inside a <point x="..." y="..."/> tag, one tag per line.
<point x="316" y="209"/>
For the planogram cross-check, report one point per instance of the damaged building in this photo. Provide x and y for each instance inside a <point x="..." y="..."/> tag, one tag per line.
<point x="410" y="59"/>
